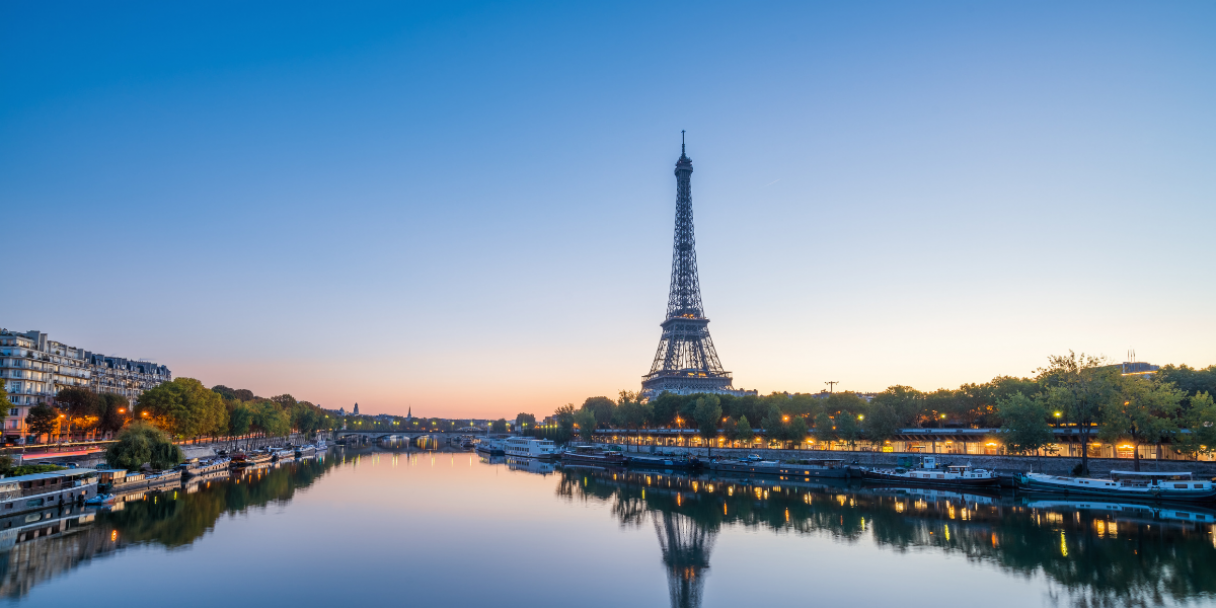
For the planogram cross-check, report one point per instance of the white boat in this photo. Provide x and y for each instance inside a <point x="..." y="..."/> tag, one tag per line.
<point x="493" y="447"/>
<point x="530" y="447"/>
<point x="929" y="473"/>
<point x="1150" y="486"/>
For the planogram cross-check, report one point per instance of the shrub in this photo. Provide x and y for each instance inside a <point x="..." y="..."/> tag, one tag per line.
<point x="143" y="443"/>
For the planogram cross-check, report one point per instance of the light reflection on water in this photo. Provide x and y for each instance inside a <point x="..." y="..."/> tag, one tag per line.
<point x="394" y="525"/>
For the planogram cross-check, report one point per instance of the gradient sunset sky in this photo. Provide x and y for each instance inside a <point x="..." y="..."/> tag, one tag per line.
<point x="467" y="208"/>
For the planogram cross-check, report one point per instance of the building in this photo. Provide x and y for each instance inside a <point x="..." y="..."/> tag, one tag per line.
<point x="124" y="377"/>
<point x="35" y="368"/>
<point x="686" y="361"/>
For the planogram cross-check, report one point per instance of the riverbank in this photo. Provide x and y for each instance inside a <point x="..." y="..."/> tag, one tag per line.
<point x="1054" y="465"/>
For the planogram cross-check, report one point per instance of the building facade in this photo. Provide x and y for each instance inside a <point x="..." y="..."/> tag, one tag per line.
<point x="35" y="368"/>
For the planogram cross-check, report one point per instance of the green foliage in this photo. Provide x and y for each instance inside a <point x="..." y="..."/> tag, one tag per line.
<point x="30" y="469"/>
<point x="707" y="415"/>
<point x="1025" y="428"/>
<point x="730" y="429"/>
<point x="42" y="419"/>
<point x="602" y="407"/>
<point x="143" y="443"/>
<point x="881" y="423"/>
<point x="1143" y="411"/>
<point x="525" y="421"/>
<point x="269" y="418"/>
<point x="1200" y="420"/>
<point x="797" y="430"/>
<point x="240" y="419"/>
<point x="4" y="402"/>
<point x="1080" y="388"/>
<point x="79" y="405"/>
<point x="848" y="427"/>
<point x="499" y="426"/>
<point x="744" y="431"/>
<point x="112" y="412"/>
<point x="825" y="428"/>
<point x="185" y="408"/>
<point x="585" y="419"/>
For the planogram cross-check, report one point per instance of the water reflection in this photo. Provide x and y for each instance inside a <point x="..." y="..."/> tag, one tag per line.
<point x="1091" y="553"/>
<point x="37" y="546"/>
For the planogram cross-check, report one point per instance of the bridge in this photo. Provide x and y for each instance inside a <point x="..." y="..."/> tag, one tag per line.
<point x="404" y="435"/>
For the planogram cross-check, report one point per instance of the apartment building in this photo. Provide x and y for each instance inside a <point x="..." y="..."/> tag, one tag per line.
<point x="35" y="368"/>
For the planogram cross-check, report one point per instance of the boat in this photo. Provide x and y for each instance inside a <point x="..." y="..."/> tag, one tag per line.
<point x="204" y="467"/>
<point x="245" y="459"/>
<point x="811" y="467"/>
<point x="1174" y="486"/>
<point x="282" y="454"/>
<point x="37" y="490"/>
<point x="660" y="461"/>
<point x="493" y="447"/>
<point x="100" y="499"/>
<point x="928" y="472"/>
<point x="593" y="455"/>
<point x="530" y="447"/>
<point x="306" y="450"/>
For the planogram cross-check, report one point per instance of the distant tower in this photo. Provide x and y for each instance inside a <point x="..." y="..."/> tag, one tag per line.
<point x="685" y="361"/>
<point x="356" y="409"/>
<point x="410" y="415"/>
<point x="686" y="547"/>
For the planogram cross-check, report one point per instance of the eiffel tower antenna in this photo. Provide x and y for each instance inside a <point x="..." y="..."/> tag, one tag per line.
<point x="686" y="361"/>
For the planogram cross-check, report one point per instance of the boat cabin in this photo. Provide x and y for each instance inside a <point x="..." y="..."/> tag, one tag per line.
<point x="1144" y="478"/>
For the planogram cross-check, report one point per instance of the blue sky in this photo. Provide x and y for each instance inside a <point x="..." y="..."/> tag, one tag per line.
<point x="467" y="208"/>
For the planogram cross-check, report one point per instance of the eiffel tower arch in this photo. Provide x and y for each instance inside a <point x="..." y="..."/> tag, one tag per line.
<point x="686" y="547"/>
<point x="686" y="361"/>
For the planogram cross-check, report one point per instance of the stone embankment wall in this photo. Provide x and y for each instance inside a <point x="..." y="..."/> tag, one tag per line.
<point x="1098" y="467"/>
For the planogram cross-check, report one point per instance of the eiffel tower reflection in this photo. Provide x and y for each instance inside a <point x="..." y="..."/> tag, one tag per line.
<point x="686" y="546"/>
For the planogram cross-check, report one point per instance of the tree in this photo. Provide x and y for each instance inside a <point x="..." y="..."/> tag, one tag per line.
<point x="1144" y="411"/>
<point x="797" y="429"/>
<point x="185" y="408"/>
<point x="4" y="402"/>
<point x="1079" y="388"/>
<point x="730" y="429"/>
<point x="525" y="421"/>
<point x="881" y="423"/>
<point x="112" y="412"/>
<point x="499" y="426"/>
<point x="41" y="419"/>
<point x="143" y="443"/>
<point x="1024" y="426"/>
<point x="1200" y="420"/>
<point x="744" y="430"/>
<point x="240" y="420"/>
<point x="825" y="429"/>
<point x="585" y="419"/>
<point x="774" y="425"/>
<point x="707" y="415"/>
<point x="848" y="427"/>
<point x="270" y="418"/>
<point x="78" y="405"/>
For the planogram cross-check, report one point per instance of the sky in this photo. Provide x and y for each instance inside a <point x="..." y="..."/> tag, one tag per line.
<point x="467" y="208"/>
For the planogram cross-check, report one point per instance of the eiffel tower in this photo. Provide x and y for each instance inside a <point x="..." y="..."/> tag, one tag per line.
<point x="686" y="548"/>
<point x="686" y="361"/>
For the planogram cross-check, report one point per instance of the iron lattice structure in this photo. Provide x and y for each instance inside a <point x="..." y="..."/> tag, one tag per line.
<point x="686" y="361"/>
<point x="686" y="547"/>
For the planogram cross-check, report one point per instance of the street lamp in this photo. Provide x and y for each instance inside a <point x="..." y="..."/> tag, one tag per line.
<point x="1057" y="415"/>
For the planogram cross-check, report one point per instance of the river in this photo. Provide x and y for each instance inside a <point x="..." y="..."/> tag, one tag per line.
<point x="379" y="527"/>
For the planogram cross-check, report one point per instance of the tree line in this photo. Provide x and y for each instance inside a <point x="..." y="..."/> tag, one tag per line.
<point x="1172" y="405"/>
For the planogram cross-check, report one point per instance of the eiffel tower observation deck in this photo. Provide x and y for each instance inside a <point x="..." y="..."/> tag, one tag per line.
<point x="686" y="361"/>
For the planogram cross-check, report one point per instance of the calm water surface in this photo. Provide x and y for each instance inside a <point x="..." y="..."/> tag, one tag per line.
<point x="372" y="527"/>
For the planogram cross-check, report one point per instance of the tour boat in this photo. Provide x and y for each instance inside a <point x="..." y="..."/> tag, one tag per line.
<point x="822" y="467"/>
<point x="492" y="447"/>
<point x="929" y="473"/>
<point x="36" y="490"/>
<point x="530" y="447"/>
<point x="593" y="455"/>
<point x="1151" y="486"/>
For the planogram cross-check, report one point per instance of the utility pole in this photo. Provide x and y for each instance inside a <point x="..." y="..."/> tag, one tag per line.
<point x="832" y="384"/>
